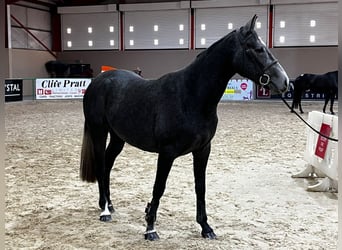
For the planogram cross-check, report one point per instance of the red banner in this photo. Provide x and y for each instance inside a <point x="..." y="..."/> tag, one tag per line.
<point x="322" y="142"/>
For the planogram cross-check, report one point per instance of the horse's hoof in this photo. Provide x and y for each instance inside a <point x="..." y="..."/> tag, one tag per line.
<point x="105" y="218"/>
<point x="151" y="235"/>
<point x="210" y="235"/>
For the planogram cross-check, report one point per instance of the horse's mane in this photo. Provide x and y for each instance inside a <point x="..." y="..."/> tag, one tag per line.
<point x="214" y="45"/>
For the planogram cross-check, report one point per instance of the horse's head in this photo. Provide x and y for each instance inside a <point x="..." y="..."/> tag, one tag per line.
<point x="256" y="62"/>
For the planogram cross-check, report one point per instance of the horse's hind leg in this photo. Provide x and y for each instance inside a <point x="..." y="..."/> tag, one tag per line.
<point x="164" y="165"/>
<point x="332" y="99"/>
<point x="327" y="98"/>
<point x="112" y="151"/>
<point x="99" y="137"/>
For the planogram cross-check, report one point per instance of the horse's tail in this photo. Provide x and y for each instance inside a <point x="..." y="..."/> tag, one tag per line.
<point x="87" y="165"/>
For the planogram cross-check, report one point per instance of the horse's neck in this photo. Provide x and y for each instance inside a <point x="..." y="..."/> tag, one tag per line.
<point x="211" y="71"/>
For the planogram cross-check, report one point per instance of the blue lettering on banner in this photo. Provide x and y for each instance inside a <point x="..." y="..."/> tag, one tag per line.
<point x="306" y="96"/>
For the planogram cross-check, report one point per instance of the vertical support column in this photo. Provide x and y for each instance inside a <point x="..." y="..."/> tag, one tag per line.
<point x="192" y="28"/>
<point x="4" y="73"/>
<point x="122" y="31"/>
<point x="56" y="31"/>
<point x="270" y="26"/>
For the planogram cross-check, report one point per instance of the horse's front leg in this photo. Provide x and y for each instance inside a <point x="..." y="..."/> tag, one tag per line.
<point x="292" y="106"/>
<point x="300" y="106"/>
<point x="163" y="170"/>
<point x="200" y="165"/>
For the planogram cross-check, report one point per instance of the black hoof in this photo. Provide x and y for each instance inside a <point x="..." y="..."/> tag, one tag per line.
<point x="210" y="235"/>
<point x="105" y="218"/>
<point x="151" y="235"/>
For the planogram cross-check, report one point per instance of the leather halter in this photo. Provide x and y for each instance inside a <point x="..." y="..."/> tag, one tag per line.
<point x="264" y="78"/>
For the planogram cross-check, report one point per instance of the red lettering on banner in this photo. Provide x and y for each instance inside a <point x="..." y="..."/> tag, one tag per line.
<point x="322" y="142"/>
<point x="263" y="93"/>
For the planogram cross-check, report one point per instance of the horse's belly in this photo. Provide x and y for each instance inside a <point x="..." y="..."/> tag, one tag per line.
<point x="139" y="138"/>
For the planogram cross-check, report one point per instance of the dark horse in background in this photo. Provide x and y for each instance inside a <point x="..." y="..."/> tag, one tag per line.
<point x="60" y="69"/>
<point x="172" y="116"/>
<point x="57" y="68"/>
<point x="326" y="84"/>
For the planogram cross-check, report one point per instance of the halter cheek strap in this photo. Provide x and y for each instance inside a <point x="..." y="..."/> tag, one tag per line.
<point x="264" y="79"/>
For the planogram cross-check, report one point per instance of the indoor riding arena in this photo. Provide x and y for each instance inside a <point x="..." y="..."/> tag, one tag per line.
<point x="77" y="67"/>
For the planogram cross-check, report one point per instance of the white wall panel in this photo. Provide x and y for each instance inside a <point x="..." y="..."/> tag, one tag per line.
<point x="38" y="19"/>
<point x="38" y="22"/>
<point x="225" y="3"/>
<point x="19" y="38"/>
<point x="19" y="13"/>
<point x="168" y="36"/>
<point x="155" y="6"/>
<point x="218" y="22"/>
<point x="44" y="37"/>
<point x="75" y="31"/>
<point x="292" y="24"/>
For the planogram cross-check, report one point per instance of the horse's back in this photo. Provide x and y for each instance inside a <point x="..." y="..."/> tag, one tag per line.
<point x="111" y="82"/>
<point x="107" y="86"/>
<point x="317" y="82"/>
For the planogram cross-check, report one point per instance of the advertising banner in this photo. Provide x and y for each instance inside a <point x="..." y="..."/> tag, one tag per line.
<point x="307" y="95"/>
<point x="61" y="88"/>
<point x="13" y="90"/>
<point x="238" y="89"/>
<point x="263" y="93"/>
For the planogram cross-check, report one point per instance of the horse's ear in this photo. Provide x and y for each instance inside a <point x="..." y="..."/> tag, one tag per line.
<point x="251" y="24"/>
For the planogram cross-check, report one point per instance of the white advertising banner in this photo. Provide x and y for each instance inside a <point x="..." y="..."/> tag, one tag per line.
<point x="238" y="89"/>
<point x="61" y="88"/>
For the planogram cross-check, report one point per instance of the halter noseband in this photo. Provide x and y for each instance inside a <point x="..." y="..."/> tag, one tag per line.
<point x="265" y="76"/>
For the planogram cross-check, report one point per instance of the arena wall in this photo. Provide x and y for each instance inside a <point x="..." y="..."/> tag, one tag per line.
<point x="156" y="63"/>
<point x="29" y="64"/>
